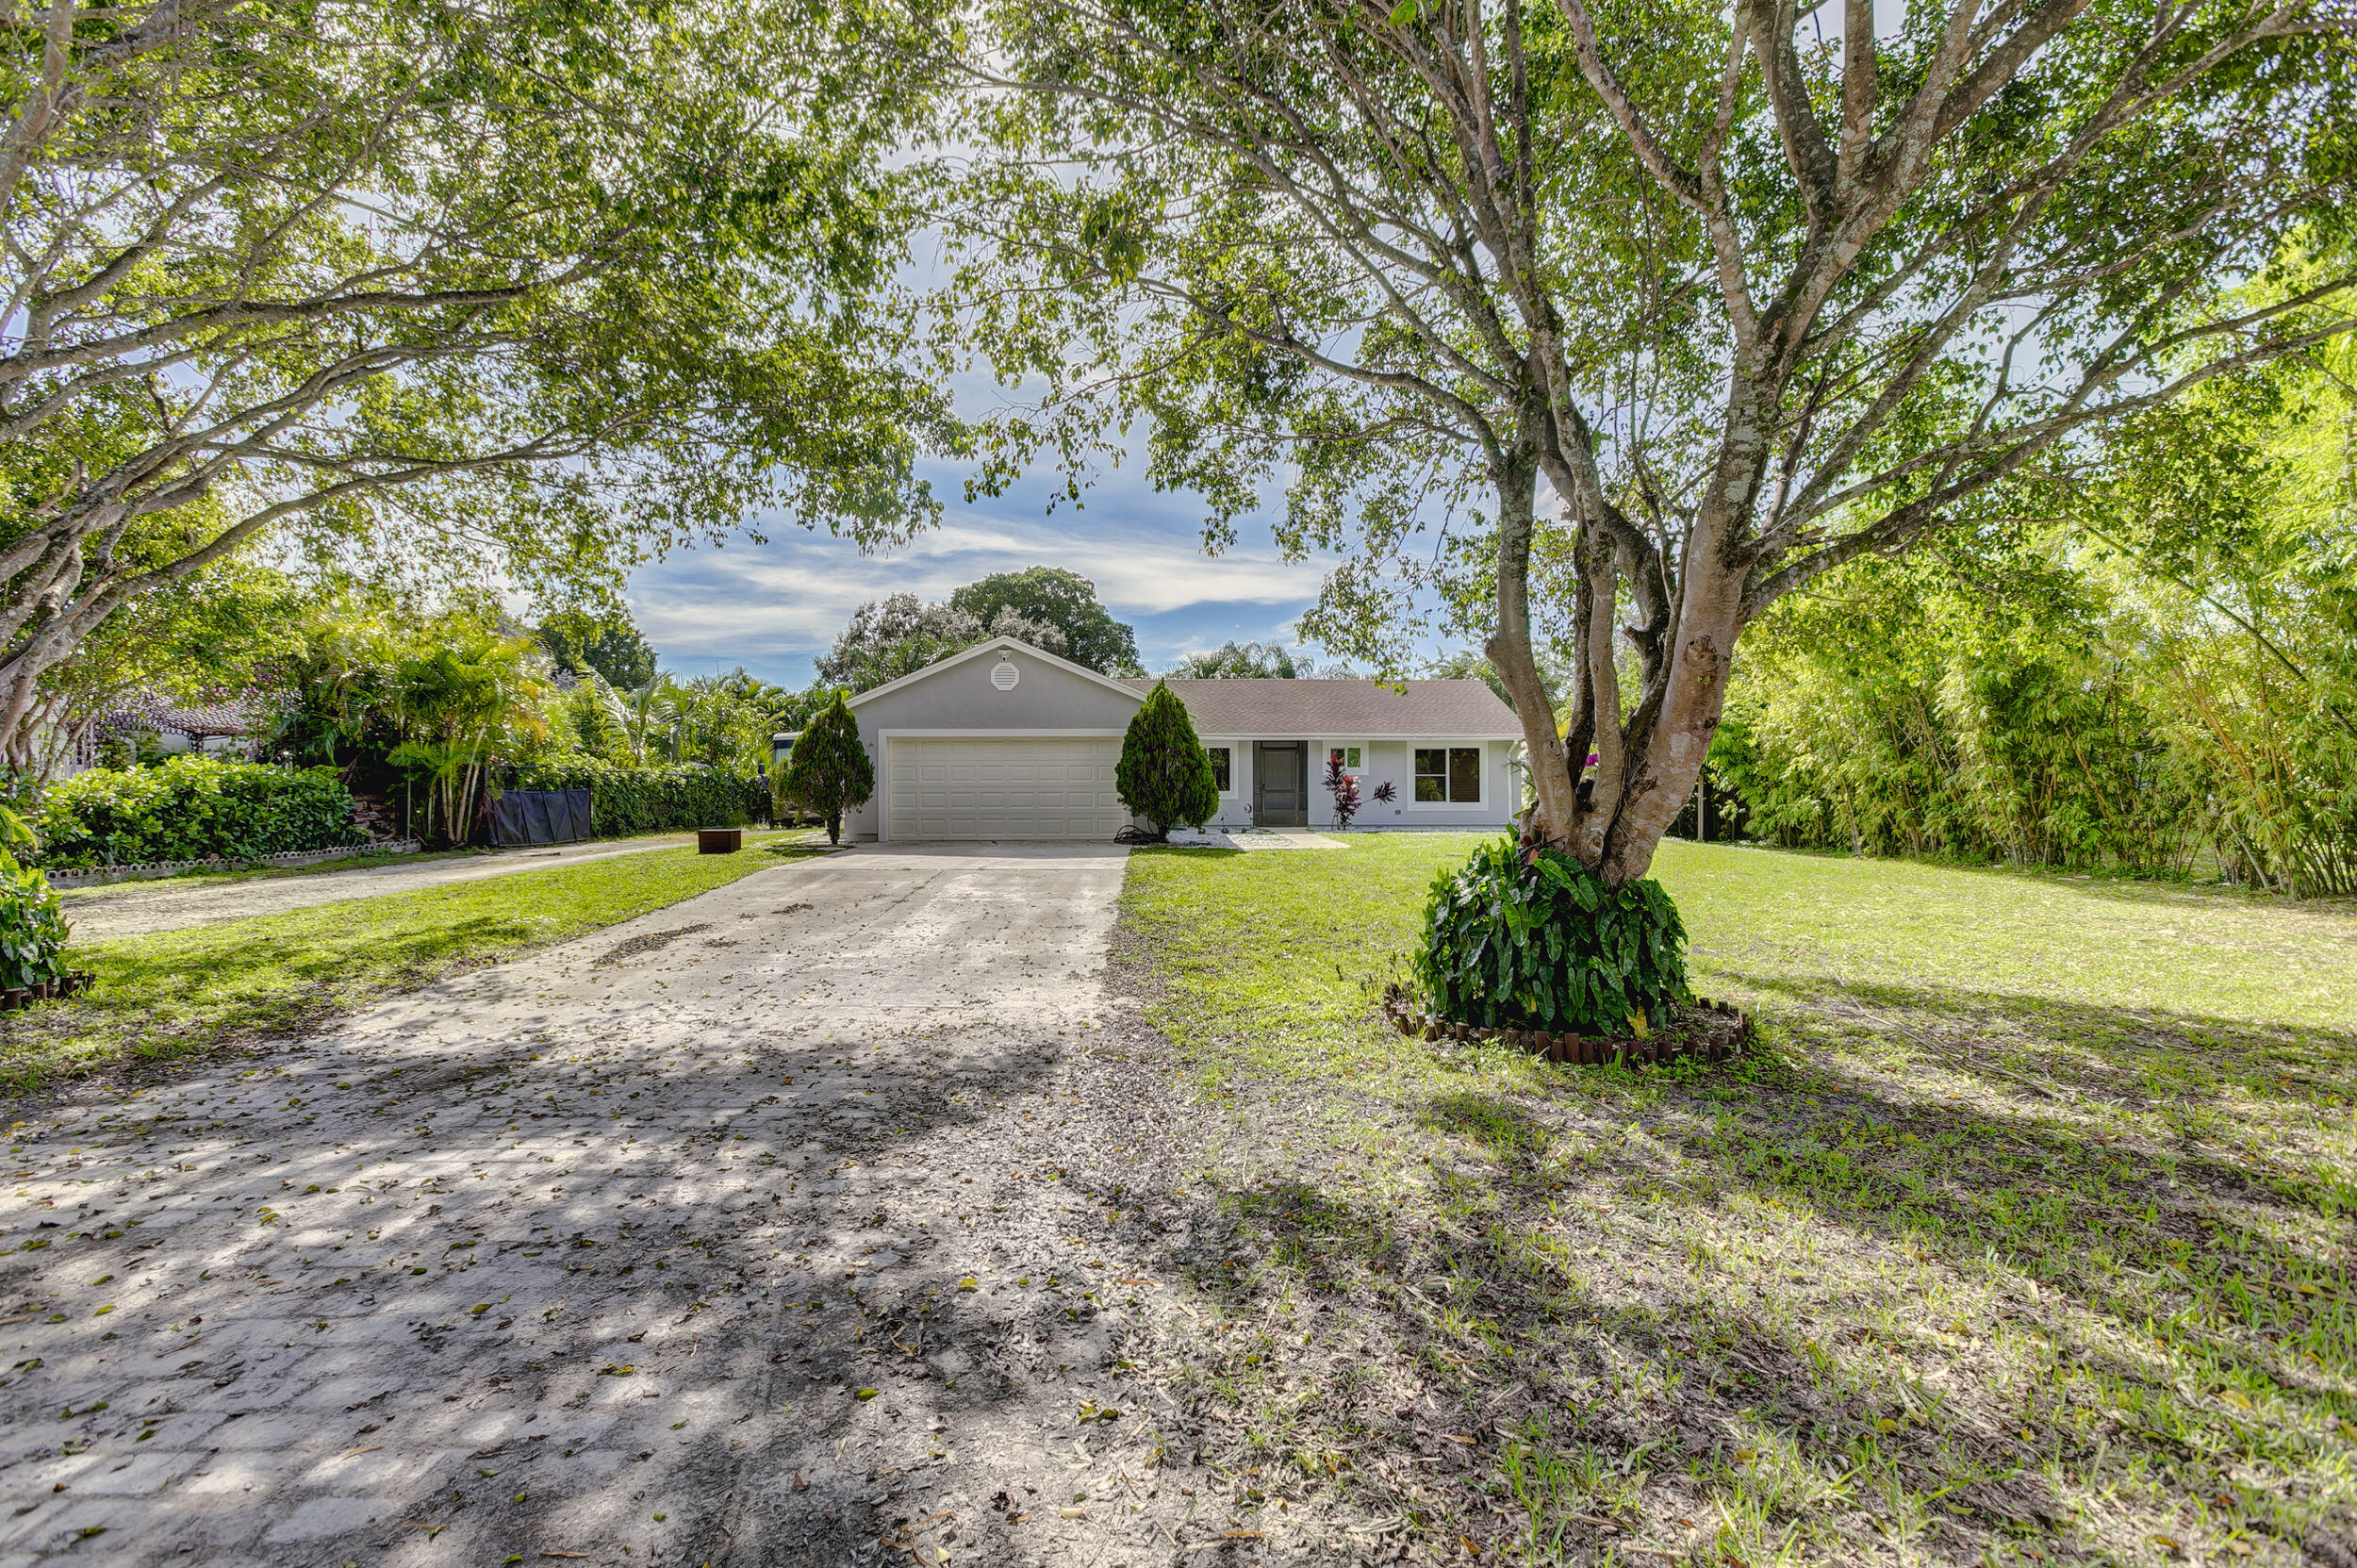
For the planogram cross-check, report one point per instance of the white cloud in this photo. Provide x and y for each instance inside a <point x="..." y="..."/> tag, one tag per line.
<point x="793" y="594"/>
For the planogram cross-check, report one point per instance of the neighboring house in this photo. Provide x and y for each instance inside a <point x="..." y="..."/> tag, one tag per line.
<point x="235" y="728"/>
<point x="1003" y="741"/>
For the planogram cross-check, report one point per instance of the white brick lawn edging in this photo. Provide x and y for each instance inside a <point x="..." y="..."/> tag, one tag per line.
<point x="98" y="875"/>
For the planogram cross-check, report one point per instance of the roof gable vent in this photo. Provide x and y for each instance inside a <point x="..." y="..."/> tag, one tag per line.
<point x="1005" y="676"/>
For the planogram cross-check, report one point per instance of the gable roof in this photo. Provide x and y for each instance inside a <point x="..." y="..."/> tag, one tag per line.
<point x="1366" y="709"/>
<point x="993" y="645"/>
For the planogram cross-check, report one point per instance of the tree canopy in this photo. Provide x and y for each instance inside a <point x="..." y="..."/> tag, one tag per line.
<point x="1260" y="660"/>
<point x="1050" y="596"/>
<point x="611" y="645"/>
<point x="1044" y="606"/>
<point x="460" y="287"/>
<point x="1655" y="313"/>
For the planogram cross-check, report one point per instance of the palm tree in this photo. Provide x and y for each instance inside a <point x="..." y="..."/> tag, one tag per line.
<point x="455" y="707"/>
<point x="654" y="719"/>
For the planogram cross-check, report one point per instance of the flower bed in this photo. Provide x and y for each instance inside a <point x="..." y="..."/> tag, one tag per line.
<point x="1711" y="1032"/>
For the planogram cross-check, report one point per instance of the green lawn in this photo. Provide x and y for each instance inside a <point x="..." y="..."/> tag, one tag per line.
<point x="2027" y="1232"/>
<point x="186" y="991"/>
<point x="365" y="860"/>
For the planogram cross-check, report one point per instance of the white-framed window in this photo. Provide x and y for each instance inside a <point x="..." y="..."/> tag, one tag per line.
<point x="1347" y="757"/>
<point x="1448" y="775"/>
<point x="1223" y="764"/>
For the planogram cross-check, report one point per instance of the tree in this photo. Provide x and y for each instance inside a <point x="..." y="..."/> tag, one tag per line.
<point x="1737" y="305"/>
<point x="1259" y="661"/>
<point x="1050" y="596"/>
<point x="466" y="288"/>
<point x="611" y="646"/>
<point x="458" y="707"/>
<point x="223" y="634"/>
<point x="830" y="772"/>
<point x="891" y="638"/>
<point x="726" y="720"/>
<point x="1165" y="775"/>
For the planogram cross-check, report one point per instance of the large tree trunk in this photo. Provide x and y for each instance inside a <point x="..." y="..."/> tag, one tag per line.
<point x="1649" y="750"/>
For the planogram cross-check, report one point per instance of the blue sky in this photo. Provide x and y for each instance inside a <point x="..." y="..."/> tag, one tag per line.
<point x="770" y="607"/>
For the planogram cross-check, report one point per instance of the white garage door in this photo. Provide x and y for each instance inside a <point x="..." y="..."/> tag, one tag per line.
<point x="973" y="788"/>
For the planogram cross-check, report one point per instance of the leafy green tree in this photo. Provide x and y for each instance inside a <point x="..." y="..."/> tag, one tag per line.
<point x="1752" y="299"/>
<point x="1165" y="775"/>
<point x="611" y="646"/>
<point x="1050" y="596"/>
<point x="524" y="290"/>
<point x="223" y="634"/>
<point x="830" y="772"/>
<point x="461" y="707"/>
<point x="1248" y="661"/>
<point x="595" y="722"/>
<point x="890" y="637"/>
<point x="726" y="720"/>
<point x="2159" y="674"/>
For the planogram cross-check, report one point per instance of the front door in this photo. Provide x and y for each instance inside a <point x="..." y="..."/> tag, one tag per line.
<point x="1281" y="783"/>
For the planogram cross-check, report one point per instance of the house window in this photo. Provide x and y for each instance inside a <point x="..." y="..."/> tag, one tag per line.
<point x="1344" y="758"/>
<point x="1219" y="767"/>
<point x="1449" y="774"/>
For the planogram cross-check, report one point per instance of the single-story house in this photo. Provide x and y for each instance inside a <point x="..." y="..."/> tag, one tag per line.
<point x="1003" y="741"/>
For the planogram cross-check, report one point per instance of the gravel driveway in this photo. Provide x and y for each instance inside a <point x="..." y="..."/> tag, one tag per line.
<point x="814" y="1220"/>
<point x="138" y="908"/>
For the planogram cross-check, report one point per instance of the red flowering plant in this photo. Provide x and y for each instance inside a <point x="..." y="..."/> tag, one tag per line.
<point x="1344" y="788"/>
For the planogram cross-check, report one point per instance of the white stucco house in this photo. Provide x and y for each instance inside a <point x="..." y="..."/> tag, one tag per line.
<point x="1003" y="741"/>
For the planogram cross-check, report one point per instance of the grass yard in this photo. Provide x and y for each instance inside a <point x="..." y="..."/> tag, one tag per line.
<point x="182" y="992"/>
<point x="2025" y="1236"/>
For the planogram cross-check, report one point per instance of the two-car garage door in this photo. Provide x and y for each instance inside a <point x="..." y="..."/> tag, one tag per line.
<point x="980" y="788"/>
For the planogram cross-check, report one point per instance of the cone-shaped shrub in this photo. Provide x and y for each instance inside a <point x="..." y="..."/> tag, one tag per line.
<point x="1518" y="939"/>
<point x="1163" y="775"/>
<point x="830" y="772"/>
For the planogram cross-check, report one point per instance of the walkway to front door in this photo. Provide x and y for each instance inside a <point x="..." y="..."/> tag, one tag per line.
<point x="1281" y="783"/>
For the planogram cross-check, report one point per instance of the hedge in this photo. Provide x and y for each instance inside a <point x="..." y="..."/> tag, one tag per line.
<point x="32" y="926"/>
<point x="625" y="799"/>
<point x="191" y="808"/>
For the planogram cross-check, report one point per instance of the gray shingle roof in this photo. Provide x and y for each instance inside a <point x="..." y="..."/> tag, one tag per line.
<point x="1343" y="708"/>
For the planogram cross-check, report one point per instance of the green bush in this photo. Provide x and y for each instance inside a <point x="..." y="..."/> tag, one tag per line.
<point x="1523" y="939"/>
<point x="191" y="808"/>
<point x="1165" y="775"/>
<point x="829" y="771"/>
<point x="32" y="926"/>
<point x="625" y="799"/>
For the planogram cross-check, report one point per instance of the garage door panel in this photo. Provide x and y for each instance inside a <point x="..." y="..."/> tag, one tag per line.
<point x="984" y="787"/>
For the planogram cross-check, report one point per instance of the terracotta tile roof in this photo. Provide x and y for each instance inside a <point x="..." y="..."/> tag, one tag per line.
<point x="1341" y="709"/>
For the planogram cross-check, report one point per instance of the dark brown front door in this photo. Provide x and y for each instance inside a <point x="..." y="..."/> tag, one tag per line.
<point x="1281" y="783"/>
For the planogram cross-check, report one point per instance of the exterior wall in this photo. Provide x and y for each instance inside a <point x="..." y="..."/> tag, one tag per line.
<point x="962" y="700"/>
<point x="1048" y="701"/>
<point x="1380" y="760"/>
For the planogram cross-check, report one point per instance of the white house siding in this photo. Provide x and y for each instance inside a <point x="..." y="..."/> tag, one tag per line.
<point x="1382" y="760"/>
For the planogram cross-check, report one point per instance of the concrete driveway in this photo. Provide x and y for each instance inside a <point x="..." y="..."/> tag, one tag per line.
<point x="791" y="1224"/>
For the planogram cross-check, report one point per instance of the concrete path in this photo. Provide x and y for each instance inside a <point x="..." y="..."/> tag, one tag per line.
<point x="800" y="1223"/>
<point x="138" y="908"/>
<point x="1253" y="838"/>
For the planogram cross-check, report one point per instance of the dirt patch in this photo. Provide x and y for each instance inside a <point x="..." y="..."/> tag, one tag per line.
<point x="654" y="941"/>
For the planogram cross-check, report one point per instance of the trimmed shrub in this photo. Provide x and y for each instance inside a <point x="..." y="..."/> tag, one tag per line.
<point x="830" y="772"/>
<point x="624" y="800"/>
<point x="32" y="926"/>
<point x="1520" y="938"/>
<point x="191" y="808"/>
<point x="1165" y="775"/>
